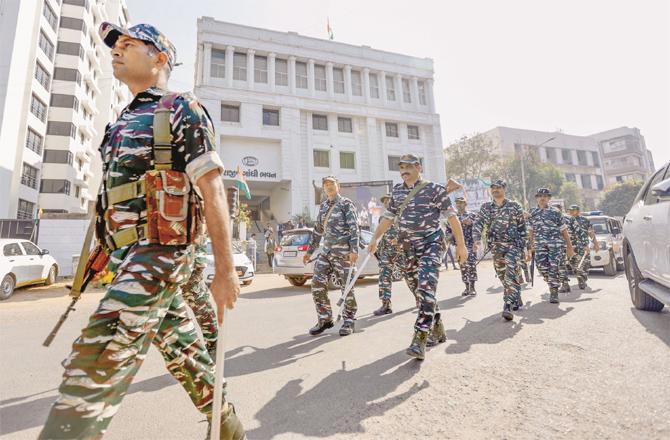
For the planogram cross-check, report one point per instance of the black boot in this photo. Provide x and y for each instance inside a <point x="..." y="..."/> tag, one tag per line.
<point x="321" y="326"/>
<point x="553" y="295"/>
<point x="347" y="328"/>
<point x="473" y="292"/>
<point x="581" y="283"/>
<point x="507" y="312"/>
<point x="466" y="292"/>
<point x="385" y="309"/>
<point x="417" y="348"/>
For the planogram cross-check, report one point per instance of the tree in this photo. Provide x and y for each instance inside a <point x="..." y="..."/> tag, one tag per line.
<point x="571" y="194"/>
<point x="470" y="157"/>
<point x="619" y="198"/>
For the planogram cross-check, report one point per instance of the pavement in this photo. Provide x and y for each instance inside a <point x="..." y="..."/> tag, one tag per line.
<point x="591" y="367"/>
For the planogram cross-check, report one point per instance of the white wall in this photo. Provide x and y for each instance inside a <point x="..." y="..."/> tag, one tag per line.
<point x="63" y="238"/>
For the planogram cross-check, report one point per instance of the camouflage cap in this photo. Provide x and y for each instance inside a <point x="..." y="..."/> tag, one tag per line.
<point x="385" y="197"/>
<point x="543" y="192"/>
<point x="145" y="32"/>
<point x="409" y="159"/>
<point x="329" y="179"/>
<point x="500" y="183"/>
<point x="574" y="207"/>
<point x="460" y="199"/>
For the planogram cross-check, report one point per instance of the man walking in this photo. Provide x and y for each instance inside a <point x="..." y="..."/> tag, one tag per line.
<point x="469" y="268"/>
<point x="270" y="248"/>
<point x="580" y="231"/>
<point x="563" y="275"/>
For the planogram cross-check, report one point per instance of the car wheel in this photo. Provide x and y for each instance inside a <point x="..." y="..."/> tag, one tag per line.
<point x="51" y="277"/>
<point x="640" y="299"/>
<point x="7" y="287"/>
<point x="610" y="267"/>
<point x="246" y="283"/>
<point x="620" y="266"/>
<point x="297" y="281"/>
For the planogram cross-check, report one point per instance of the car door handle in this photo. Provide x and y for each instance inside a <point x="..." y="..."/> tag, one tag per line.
<point x="11" y="261"/>
<point x="647" y="218"/>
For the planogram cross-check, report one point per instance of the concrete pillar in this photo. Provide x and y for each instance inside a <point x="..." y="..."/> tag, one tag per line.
<point x="329" y="80"/>
<point x="271" y="70"/>
<point x="310" y="77"/>
<point x="250" y="68"/>
<point x="366" y="85"/>
<point x="414" y="86"/>
<point x="230" y="54"/>
<point x="347" y="82"/>
<point x="291" y="74"/>
<point x="382" y="86"/>
<point x="429" y="95"/>
<point x="207" y="63"/>
<point x="397" y="79"/>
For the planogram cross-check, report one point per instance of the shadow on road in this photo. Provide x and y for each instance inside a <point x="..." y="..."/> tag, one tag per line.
<point x="33" y="293"/>
<point x="340" y="402"/>
<point x="656" y="323"/>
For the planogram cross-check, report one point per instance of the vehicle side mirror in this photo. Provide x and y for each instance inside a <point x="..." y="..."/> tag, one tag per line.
<point x="662" y="190"/>
<point x="615" y="230"/>
<point x="44" y="252"/>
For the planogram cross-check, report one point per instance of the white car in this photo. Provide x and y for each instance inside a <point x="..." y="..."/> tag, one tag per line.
<point x="243" y="266"/>
<point x="23" y="263"/>
<point x="293" y="247"/>
<point x="647" y="243"/>
<point x="609" y="235"/>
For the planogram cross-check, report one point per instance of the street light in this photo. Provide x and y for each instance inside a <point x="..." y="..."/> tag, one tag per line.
<point x="523" y="171"/>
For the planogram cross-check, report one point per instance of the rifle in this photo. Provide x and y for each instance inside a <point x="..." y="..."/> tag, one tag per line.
<point x="90" y="264"/>
<point x="532" y="269"/>
<point x="581" y="262"/>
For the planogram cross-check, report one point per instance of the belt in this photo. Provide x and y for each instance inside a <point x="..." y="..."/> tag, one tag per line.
<point x="127" y="236"/>
<point x="123" y="192"/>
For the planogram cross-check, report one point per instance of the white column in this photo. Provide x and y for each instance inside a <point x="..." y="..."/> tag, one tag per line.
<point x="271" y="70"/>
<point x="329" y="80"/>
<point x="414" y="86"/>
<point x="230" y="54"/>
<point x="382" y="87"/>
<point x="429" y="95"/>
<point x="366" y="85"/>
<point x="250" y="68"/>
<point x="347" y="82"/>
<point x="207" y="63"/>
<point x="291" y="74"/>
<point x="310" y="77"/>
<point x="398" y="90"/>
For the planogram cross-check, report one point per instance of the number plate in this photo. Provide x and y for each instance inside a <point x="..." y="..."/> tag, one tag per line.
<point x="290" y="253"/>
<point x="239" y="273"/>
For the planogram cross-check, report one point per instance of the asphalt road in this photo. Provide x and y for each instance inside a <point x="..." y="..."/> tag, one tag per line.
<point x="591" y="367"/>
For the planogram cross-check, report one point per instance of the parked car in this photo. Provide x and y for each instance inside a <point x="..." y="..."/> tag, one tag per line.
<point x="243" y="265"/>
<point x="23" y="263"/>
<point x="647" y="243"/>
<point x="293" y="247"/>
<point x="609" y="235"/>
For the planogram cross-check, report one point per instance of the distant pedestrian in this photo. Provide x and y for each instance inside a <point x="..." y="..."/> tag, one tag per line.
<point x="252" y="248"/>
<point x="449" y="256"/>
<point x="270" y="249"/>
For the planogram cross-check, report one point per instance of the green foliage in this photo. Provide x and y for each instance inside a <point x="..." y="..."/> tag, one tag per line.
<point x="619" y="198"/>
<point x="244" y="215"/>
<point x="571" y="193"/>
<point x="470" y="157"/>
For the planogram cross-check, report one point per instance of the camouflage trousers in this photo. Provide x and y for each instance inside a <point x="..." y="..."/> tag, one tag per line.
<point x="421" y="274"/>
<point x="583" y="272"/>
<point x="389" y="262"/>
<point x="548" y="258"/>
<point x="325" y="266"/>
<point x="469" y="268"/>
<point x="506" y="263"/>
<point x="136" y="311"/>
<point x="196" y="295"/>
<point x="563" y="267"/>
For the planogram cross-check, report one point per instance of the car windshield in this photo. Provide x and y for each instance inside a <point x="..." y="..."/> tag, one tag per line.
<point x="600" y="226"/>
<point x="295" y="239"/>
<point x="237" y="248"/>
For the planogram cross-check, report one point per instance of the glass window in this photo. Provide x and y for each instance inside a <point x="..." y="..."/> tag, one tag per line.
<point x="230" y="112"/>
<point x="394" y="163"/>
<point x="581" y="158"/>
<point x="42" y="76"/>
<point x="347" y="160"/>
<point x="73" y="23"/>
<point x="260" y="69"/>
<point x="391" y="129"/>
<point x="356" y="83"/>
<point x="46" y="45"/>
<point x="321" y="158"/>
<point x="599" y="182"/>
<point x="390" y="88"/>
<point x="551" y="154"/>
<point x="374" y="86"/>
<point x="649" y="198"/>
<point x="319" y="122"/>
<point x="240" y="66"/>
<point x="55" y="186"/>
<point x="57" y="156"/>
<point x="50" y="15"/>
<point x="406" y="92"/>
<point x="596" y="159"/>
<point x="67" y="48"/>
<point x="295" y="239"/>
<point x="29" y="176"/>
<point x="34" y="141"/>
<point x="413" y="132"/>
<point x="301" y="75"/>
<point x="422" y="92"/>
<point x="26" y="210"/>
<point x="271" y="117"/>
<point x="58" y="128"/>
<point x="65" y="101"/>
<point x="12" y="250"/>
<point x="586" y="181"/>
<point x="38" y="108"/>
<point x="63" y="74"/>
<point x="570" y="177"/>
<point x="338" y="80"/>
<point x="30" y="248"/>
<point x="344" y="125"/>
<point x="320" y="82"/>
<point x="566" y="155"/>
<point x="281" y="72"/>
<point x="217" y="67"/>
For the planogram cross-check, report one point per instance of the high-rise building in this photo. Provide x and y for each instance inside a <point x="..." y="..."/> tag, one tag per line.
<point x="625" y="155"/>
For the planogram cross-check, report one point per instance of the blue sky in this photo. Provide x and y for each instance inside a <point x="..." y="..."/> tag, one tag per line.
<point x="577" y="66"/>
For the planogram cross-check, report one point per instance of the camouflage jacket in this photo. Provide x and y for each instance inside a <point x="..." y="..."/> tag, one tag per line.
<point x="340" y="235"/>
<point x="547" y="225"/>
<point x="467" y="229"/>
<point x="388" y="245"/>
<point x="126" y="152"/>
<point x="579" y="228"/>
<point x="421" y="217"/>
<point x="505" y="223"/>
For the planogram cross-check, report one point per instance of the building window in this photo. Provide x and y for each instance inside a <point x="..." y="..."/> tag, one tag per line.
<point x="581" y="158"/>
<point x="596" y="159"/>
<point x="338" y="80"/>
<point x="390" y="88"/>
<point x="63" y="74"/>
<point x="586" y="181"/>
<point x="83" y="3"/>
<point x="320" y="82"/>
<point x="551" y="154"/>
<point x="50" y="15"/>
<point x="260" y="69"/>
<point x="55" y="186"/>
<point x="599" y="182"/>
<point x="322" y="158"/>
<point x="301" y="75"/>
<point x="344" y="125"/>
<point x="422" y="92"/>
<point x="42" y="76"/>
<point x="29" y="176"/>
<point x="26" y="210"/>
<point x="413" y="132"/>
<point x="319" y="122"/>
<point x="281" y="72"/>
<point x="76" y="24"/>
<point x="356" y="84"/>
<point x="76" y="191"/>
<point x="394" y="163"/>
<point x="570" y="177"/>
<point x="34" y="141"/>
<point x="347" y="160"/>
<point x="240" y="66"/>
<point x="38" y="108"/>
<point x="46" y="45"/>
<point x="230" y="113"/>
<point x="65" y="101"/>
<point x="566" y="155"/>
<point x="374" y="86"/>
<point x="271" y="117"/>
<point x="217" y="68"/>
<point x="391" y="129"/>
<point x="67" y="48"/>
<point x="406" y="92"/>
<point x="57" y="128"/>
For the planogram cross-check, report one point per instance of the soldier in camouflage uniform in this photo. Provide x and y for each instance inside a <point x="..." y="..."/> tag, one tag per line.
<point x="143" y="305"/>
<point x="390" y="256"/>
<point x="416" y="207"/>
<point x="337" y="226"/>
<point x="546" y="227"/>
<point x="506" y="237"/>
<point x="469" y="268"/>
<point x="563" y="270"/>
<point x="580" y="231"/>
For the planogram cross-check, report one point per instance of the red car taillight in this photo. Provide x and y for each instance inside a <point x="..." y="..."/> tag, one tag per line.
<point x="302" y="248"/>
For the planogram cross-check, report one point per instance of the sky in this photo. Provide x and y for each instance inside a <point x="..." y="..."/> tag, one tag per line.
<point x="579" y="66"/>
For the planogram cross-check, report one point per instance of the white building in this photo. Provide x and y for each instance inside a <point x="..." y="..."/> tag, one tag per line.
<point x="54" y="96"/>
<point x="291" y="109"/>
<point x="625" y="155"/>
